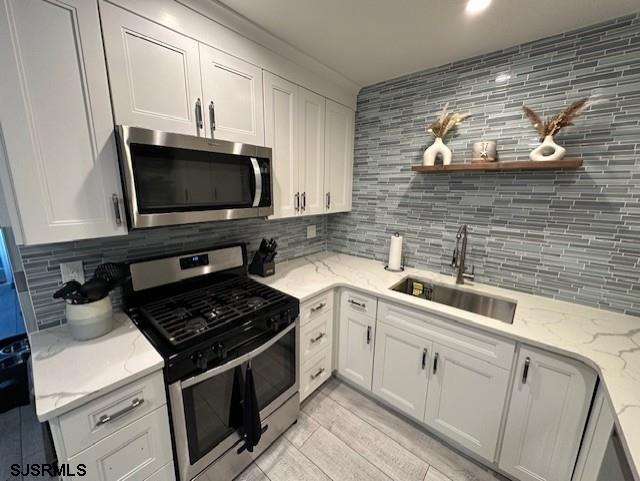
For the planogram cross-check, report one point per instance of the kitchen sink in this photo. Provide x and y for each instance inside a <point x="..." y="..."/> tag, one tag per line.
<point x="490" y="306"/>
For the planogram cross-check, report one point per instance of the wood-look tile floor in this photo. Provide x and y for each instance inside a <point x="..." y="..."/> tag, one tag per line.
<point x="342" y="435"/>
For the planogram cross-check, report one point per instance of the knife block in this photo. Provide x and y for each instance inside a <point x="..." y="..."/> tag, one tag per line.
<point x="261" y="267"/>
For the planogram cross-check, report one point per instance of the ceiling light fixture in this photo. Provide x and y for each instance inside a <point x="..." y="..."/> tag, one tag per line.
<point x="477" y="6"/>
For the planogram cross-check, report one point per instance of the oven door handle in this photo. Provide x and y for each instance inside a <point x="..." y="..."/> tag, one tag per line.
<point x="237" y="361"/>
<point x="256" y="171"/>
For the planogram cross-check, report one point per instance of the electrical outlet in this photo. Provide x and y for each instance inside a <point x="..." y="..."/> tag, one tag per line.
<point x="72" y="271"/>
<point x="311" y="231"/>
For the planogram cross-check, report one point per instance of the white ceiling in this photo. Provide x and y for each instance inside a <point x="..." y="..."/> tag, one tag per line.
<point x="369" y="41"/>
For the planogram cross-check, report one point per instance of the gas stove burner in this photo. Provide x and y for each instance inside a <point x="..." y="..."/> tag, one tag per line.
<point x="196" y="324"/>
<point x="181" y="313"/>
<point x="211" y="314"/>
<point x="255" y="302"/>
<point x="237" y="294"/>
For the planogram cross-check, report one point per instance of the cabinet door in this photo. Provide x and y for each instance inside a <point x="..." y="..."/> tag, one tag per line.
<point x="401" y="369"/>
<point x="338" y="173"/>
<point x="355" y="357"/>
<point x="232" y="93"/>
<point x="281" y="134"/>
<point x="311" y="124"/>
<point x="466" y="400"/>
<point x="550" y="400"/>
<point x="154" y="73"/>
<point x="57" y="124"/>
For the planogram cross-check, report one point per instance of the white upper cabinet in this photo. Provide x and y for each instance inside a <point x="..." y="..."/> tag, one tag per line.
<point x="311" y="123"/>
<point x="338" y="171"/>
<point x="232" y="97"/>
<point x="154" y="74"/>
<point x="550" y="401"/>
<point x="56" y="121"/>
<point x="401" y="369"/>
<point x="466" y="399"/>
<point x="281" y="134"/>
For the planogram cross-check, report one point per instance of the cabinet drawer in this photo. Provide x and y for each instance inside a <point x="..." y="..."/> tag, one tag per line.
<point x="166" y="473"/>
<point x="316" y="307"/>
<point x="314" y="372"/>
<point x="133" y="453"/>
<point x="316" y="336"/>
<point x="493" y="349"/>
<point x="98" y="419"/>
<point x="353" y="301"/>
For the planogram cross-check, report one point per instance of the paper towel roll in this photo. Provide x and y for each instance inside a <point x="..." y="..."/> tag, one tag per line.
<point x="395" y="252"/>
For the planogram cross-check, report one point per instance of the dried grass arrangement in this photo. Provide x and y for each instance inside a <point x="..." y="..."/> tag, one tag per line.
<point x="562" y="119"/>
<point x="445" y="122"/>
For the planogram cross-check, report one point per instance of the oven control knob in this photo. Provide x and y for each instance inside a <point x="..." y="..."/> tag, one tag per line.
<point x="200" y="360"/>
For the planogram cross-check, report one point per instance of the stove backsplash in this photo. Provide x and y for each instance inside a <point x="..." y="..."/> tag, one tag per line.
<point x="42" y="263"/>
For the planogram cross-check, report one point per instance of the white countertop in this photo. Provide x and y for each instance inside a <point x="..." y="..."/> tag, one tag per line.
<point x="607" y="341"/>
<point x="68" y="373"/>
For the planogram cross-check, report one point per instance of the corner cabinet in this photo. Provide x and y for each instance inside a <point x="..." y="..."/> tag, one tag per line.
<point x="312" y="142"/>
<point x="57" y="125"/>
<point x="549" y="405"/>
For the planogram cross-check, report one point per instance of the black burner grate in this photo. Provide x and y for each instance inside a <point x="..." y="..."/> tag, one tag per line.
<point x="203" y="311"/>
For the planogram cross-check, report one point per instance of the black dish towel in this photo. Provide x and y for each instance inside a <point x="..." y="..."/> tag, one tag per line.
<point x="251" y="414"/>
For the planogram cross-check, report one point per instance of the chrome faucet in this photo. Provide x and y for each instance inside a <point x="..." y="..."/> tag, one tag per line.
<point x="460" y="256"/>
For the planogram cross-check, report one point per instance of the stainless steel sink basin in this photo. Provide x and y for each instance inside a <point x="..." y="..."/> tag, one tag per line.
<point x="494" y="307"/>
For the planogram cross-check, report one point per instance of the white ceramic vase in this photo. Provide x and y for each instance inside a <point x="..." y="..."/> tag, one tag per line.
<point x="547" y="150"/>
<point x="431" y="152"/>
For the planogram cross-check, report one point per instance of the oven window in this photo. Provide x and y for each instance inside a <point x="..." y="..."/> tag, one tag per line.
<point x="213" y="408"/>
<point x="168" y="179"/>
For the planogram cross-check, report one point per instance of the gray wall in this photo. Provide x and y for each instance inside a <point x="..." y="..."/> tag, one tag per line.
<point x="42" y="263"/>
<point x="568" y="235"/>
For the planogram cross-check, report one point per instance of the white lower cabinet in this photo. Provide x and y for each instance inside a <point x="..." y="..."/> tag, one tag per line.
<point x="549" y="405"/>
<point x="466" y="400"/>
<point x="401" y="369"/>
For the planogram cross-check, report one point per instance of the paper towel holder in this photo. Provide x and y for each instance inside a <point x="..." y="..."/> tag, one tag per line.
<point x="402" y="261"/>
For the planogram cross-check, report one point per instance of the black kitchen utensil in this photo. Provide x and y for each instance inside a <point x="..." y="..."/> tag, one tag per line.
<point x="95" y="289"/>
<point x="114" y="273"/>
<point x="67" y="290"/>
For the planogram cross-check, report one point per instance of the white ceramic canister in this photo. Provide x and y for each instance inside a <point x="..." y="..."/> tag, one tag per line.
<point x="88" y="321"/>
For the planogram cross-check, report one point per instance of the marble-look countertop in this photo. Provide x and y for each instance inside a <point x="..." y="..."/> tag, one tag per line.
<point x="607" y="341"/>
<point x="68" y="373"/>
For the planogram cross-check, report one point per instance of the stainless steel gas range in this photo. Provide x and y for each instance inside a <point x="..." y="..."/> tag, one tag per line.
<point x="230" y="346"/>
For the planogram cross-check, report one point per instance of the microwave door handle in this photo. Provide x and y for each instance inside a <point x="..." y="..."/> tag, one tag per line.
<point x="237" y="361"/>
<point x="256" y="171"/>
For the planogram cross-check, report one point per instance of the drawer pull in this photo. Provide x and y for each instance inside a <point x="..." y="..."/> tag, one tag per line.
<point x="105" y="418"/>
<point x="318" y="307"/>
<point x="315" y="376"/>
<point x="317" y="338"/>
<point x="525" y="371"/>
<point x="361" y="305"/>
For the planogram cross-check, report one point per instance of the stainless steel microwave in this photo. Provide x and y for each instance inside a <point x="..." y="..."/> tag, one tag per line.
<point x="172" y="179"/>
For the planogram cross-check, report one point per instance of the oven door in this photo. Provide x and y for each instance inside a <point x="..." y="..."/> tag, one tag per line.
<point x="206" y="409"/>
<point x="174" y="179"/>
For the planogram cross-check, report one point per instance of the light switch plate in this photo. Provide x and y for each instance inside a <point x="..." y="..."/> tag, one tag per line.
<point x="311" y="231"/>
<point x="72" y="270"/>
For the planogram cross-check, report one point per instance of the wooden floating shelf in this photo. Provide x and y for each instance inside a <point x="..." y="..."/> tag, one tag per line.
<point x="565" y="164"/>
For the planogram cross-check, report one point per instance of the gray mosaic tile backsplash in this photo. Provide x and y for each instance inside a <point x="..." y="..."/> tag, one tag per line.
<point x="571" y="235"/>
<point x="42" y="263"/>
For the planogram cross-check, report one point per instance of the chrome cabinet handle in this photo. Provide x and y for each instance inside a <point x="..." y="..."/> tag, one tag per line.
<point x="296" y="201"/>
<point x="435" y="363"/>
<point x="361" y="305"/>
<point x="105" y="418"/>
<point x="116" y="208"/>
<point x="424" y="359"/>
<point x="368" y="334"/>
<point x="198" y="115"/>
<point x="212" y="118"/>
<point x="317" y="338"/>
<point x="318" y="307"/>
<point x="320" y="371"/>
<point x="303" y="201"/>
<point x="328" y="200"/>
<point x="525" y="371"/>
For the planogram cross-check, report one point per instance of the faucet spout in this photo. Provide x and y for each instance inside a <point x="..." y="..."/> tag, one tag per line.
<point x="460" y="256"/>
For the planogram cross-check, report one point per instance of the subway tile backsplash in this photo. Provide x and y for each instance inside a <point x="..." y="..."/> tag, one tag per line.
<point x="42" y="263"/>
<point x="571" y="235"/>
